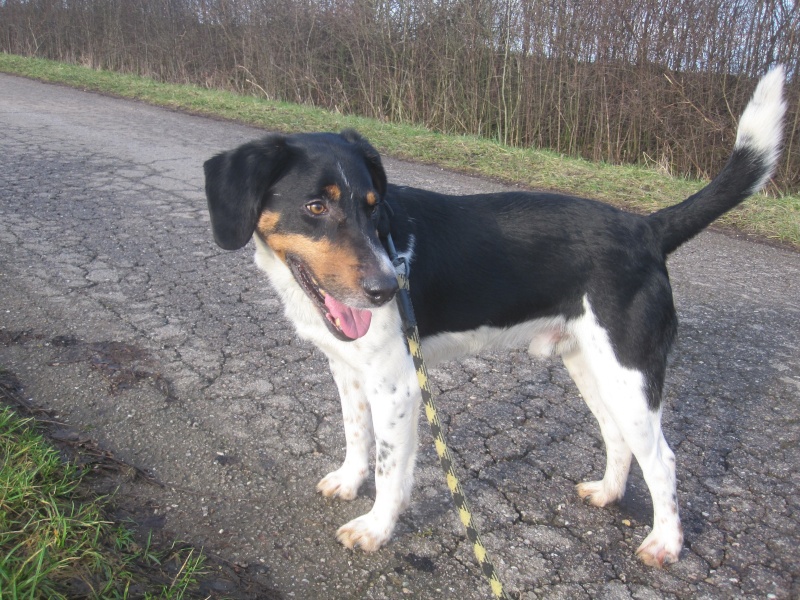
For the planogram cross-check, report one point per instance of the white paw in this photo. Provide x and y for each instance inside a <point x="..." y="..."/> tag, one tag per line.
<point x="366" y="532"/>
<point x="597" y="493"/>
<point x="661" y="547"/>
<point x="342" y="483"/>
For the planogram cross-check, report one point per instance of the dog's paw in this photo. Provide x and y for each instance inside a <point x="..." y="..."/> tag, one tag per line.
<point x="365" y="532"/>
<point x="660" y="548"/>
<point x="597" y="493"/>
<point x="342" y="483"/>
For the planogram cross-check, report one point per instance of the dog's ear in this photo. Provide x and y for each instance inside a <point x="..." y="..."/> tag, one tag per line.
<point x="238" y="183"/>
<point x="372" y="159"/>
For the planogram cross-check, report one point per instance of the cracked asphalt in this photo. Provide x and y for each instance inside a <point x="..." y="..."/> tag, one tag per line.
<point x="118" y="312"/>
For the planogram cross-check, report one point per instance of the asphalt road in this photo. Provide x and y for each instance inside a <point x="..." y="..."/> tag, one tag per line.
<point x="119" y="312"/>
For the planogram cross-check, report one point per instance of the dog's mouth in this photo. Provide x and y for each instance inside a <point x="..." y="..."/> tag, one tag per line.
<point x="345" y="322"/>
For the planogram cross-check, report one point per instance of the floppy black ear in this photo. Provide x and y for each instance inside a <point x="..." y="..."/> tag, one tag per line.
<point x="238" y="183"/>
<point x="371" y="157"/>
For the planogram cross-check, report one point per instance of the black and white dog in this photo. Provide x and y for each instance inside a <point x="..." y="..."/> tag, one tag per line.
<point x="556" y="274"/>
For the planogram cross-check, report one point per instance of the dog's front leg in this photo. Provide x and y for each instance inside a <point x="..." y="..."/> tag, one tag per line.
<point x="394" y="400"/>
<point x="345" y="481"/>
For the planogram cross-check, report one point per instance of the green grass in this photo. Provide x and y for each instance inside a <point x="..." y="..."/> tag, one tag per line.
<point x="776" y="218"/>
<point x="55" y="542"/>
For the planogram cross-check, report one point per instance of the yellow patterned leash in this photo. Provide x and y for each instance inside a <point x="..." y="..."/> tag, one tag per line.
<point x="459" y="499"/>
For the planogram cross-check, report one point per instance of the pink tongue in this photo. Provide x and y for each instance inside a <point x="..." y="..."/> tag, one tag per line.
<point x="353" y="322"/>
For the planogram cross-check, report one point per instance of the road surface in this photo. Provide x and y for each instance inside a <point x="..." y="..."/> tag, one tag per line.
<point x="118" y="312"/>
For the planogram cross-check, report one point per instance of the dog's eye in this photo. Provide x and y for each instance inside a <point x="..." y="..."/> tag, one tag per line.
<point x="317" y="208"/>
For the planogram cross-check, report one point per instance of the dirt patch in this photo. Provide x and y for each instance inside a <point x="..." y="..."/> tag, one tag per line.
<point x="123" y="364"/>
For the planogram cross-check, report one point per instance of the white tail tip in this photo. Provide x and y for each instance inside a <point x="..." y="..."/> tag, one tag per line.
<point x="761" y="125"/>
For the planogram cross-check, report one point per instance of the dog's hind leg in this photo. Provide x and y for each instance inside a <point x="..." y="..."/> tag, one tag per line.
<point x="618" y="454"/>
<point x="663" y="545"/>
<point x="345" y="481"/>
<point x="621" y="393"/>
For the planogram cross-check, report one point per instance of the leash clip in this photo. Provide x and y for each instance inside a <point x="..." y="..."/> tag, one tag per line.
<point x="402" y="270"/>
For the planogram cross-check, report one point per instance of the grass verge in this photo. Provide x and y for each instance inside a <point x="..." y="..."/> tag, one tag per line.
<point x="55" y="543"/>
<point x="772" y="217"/>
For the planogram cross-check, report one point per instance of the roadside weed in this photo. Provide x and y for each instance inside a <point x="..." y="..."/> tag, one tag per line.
<point x="55" y="542"/>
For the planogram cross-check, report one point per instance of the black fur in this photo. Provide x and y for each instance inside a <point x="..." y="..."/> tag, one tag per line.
<point x="506" y="258"/>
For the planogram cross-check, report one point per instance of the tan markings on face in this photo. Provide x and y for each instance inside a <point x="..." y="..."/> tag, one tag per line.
<point x="372" y="199"/>
<point x="334" y="192"/>
<point x="267" y="223"/>
<point x="335" y="267"/>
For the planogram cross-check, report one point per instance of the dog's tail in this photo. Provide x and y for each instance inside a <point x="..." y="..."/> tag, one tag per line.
<point x="755" y="154"/>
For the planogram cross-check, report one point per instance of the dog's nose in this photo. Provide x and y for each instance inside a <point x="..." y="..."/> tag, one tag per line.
<point x="380" y="288"/>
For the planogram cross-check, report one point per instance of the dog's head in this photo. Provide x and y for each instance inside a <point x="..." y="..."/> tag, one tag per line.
<point x="315" y="200"/>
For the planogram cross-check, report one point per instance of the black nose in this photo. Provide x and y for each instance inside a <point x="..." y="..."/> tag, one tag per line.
<point x="379" y="288"/>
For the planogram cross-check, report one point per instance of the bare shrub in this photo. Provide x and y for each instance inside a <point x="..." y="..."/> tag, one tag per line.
<point x="612" y="80"/>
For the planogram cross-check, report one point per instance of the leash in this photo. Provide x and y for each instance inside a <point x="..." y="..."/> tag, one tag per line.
<point x="414" y="347"/>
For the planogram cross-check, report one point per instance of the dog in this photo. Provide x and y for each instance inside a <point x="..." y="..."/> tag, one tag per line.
<point x="560" y="275"/>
